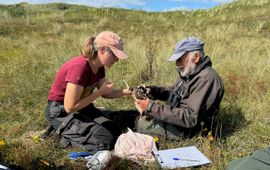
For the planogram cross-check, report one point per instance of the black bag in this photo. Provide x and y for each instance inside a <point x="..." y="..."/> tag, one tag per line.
<point x="92" y="134"/>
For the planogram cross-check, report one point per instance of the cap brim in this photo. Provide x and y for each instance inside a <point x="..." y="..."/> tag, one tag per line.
<point x="119" y="53"/>
<point x="176" y="56"/>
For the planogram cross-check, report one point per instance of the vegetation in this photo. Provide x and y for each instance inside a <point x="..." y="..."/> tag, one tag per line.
<point x="36" y="39"/>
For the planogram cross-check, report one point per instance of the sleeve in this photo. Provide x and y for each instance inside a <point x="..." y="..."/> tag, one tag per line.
<point x="187" y="114"/>
<point x="158" y="93"/>
<point x="77" y="74"/>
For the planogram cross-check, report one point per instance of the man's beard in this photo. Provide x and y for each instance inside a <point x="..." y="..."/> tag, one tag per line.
<point x="189" y="69"/>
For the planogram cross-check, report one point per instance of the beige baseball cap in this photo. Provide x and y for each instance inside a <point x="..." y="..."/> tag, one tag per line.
<point x="112" y="40"/>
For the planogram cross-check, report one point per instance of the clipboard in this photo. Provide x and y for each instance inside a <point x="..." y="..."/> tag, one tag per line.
<point x="180" y="157"/>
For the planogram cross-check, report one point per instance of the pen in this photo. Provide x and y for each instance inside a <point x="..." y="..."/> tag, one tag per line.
<point x="189" y="160"/>
<point x="157" y="156"/>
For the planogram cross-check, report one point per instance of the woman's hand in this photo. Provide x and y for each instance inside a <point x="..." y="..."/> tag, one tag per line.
<point x="127" y="91"/>
<point x="106" y="88"/>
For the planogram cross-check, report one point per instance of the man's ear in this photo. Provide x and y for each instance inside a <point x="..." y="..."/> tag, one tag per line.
<point x="196" y="58"/>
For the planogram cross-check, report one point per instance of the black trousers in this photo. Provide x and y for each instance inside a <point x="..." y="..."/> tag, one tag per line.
<point x="90" y="127"/>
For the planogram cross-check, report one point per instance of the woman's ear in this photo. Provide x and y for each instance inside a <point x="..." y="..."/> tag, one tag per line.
<point x="102" y="50"/>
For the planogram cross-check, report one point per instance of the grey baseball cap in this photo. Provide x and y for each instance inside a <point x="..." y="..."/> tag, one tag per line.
<point x="186" y="45"/>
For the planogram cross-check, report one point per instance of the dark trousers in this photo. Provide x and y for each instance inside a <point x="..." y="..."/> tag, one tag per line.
<point x="89" y="128"/>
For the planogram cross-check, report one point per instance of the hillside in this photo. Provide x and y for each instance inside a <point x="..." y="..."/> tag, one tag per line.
<point x="36" y="39"/>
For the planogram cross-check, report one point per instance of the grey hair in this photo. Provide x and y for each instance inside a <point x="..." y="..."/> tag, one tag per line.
<point x="200" y="52"/>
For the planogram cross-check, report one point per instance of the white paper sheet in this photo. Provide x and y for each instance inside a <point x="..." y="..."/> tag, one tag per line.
<point x="180" y="157"/>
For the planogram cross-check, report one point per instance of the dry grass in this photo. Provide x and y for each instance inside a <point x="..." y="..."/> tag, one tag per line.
<point x="36" y="39"/>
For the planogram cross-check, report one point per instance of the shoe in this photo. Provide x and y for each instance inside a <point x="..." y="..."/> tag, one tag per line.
<point x="99" y="160"/>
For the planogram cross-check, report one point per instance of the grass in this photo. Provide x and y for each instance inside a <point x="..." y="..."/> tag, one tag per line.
<point x="36" y="39"/>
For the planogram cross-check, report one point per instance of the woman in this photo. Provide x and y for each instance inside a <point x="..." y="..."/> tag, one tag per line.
<point x="70" y="107"/>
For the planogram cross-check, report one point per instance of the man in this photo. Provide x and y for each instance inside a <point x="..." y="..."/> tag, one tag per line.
<point x="191" y="104"/>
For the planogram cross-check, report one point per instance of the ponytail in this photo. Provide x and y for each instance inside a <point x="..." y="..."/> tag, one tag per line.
<point x="89" y="50"/>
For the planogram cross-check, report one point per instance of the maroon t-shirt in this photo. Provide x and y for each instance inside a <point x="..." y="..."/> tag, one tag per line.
<point x="76" y="70"/>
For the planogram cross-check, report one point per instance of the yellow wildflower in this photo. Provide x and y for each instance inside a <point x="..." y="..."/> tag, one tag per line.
<point x="210" y="136"/>
<point x="2" y="143"/>
<point x="156" y="139"/>
<point x="37" y="139"/>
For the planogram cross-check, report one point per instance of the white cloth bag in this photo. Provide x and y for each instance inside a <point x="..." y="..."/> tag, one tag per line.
<point x="135" y="146"/>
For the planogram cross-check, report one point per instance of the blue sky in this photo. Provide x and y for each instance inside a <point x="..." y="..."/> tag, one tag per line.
<point x="148" y="5"/>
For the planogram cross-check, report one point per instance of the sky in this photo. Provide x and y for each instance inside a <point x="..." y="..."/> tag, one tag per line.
<point x="147" y="5"/>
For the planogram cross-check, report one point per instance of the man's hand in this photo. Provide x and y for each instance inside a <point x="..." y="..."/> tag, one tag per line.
<point x="152" y="92"/>
<point x="141" y="105"/>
